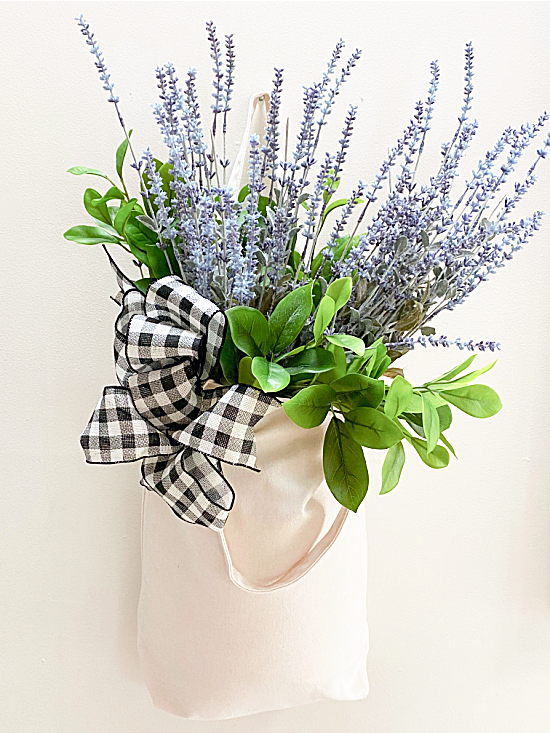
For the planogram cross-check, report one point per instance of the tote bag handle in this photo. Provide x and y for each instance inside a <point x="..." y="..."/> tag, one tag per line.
<point x="297" y="571"/>
<point x="258" y="108"/>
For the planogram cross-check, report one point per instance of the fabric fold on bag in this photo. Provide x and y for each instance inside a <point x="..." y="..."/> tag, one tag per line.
<point x="167" y="345"/>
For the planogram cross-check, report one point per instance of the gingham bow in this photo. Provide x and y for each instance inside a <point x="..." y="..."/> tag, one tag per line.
<point x="167" y="344"/>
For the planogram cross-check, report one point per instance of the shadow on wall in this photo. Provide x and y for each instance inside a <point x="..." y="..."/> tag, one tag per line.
<point x="128" y="586"/>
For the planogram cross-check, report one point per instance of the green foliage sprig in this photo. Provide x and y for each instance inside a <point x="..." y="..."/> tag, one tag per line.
<point x="335" y="374"/>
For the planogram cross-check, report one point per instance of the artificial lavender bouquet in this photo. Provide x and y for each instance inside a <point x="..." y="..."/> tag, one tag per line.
<point x="318" y="310"/>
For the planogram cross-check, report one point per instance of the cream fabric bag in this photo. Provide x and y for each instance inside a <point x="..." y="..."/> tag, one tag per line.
<point x="269" y="613"/>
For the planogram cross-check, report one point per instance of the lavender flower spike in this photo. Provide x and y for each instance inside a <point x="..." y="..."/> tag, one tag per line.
<point x="219" y="89"/>
<point x="410" y="342"/>
<point x="162" y="218"/>
<point x="99" y="62"/>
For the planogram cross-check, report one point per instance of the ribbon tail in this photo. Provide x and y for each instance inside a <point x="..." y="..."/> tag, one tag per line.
<point x="116" y="432"/>
<point x="192" y="485"/>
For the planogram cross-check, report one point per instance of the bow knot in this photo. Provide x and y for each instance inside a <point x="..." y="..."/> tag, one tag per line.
<point x="167" y="344"/>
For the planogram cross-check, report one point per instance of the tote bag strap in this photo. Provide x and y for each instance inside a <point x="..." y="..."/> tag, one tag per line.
<point x="297" y="571"/>
<point x="258" y="108"/>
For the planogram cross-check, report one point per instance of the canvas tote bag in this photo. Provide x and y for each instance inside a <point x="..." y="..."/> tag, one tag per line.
<point x="270" y="613"/>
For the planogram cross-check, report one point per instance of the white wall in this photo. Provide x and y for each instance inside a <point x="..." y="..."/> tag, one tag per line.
<point x="459" y="596"/>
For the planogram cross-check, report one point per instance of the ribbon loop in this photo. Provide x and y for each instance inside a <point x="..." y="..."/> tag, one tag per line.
<point x="152" y="344"/>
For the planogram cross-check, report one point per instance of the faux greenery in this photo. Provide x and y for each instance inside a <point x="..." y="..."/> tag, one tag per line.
<point x="318" y="316"/>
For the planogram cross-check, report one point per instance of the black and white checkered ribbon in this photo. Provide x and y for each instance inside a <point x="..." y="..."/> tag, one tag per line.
<point x="167" y="344"/>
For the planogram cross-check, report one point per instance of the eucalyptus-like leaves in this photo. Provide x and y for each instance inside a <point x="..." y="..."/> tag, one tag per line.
<point x="367" y="412"/>
<point x="337" y="376"/>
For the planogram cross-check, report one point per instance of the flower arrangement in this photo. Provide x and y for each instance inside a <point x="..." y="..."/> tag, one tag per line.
<point x="319" y="311"/>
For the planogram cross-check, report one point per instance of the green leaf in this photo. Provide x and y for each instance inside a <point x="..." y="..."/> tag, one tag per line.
<point x="156" y="259"/>
<point x="294" y="260"/>
<point x="372" y="428"/>
<point x="438" y="458"/>
<point x="249" y="330"/>
<point x="80" y="170"/>
<point x="121" y="154"/>
<point x="140" y="256"/>
<point x="245" y="372"/>
<point x="144" y="283"/>
<point x="477" y="400"/>
<point x="271" y="376"/>
<point x="340" y="291"/>
<point x="108" y="228"/>
<point x="445" y="417"/>
<point x="310" y="406"/>
<point x="382" y="362"/>
<point x="325" y="314"/>
<point x="436" y="398"/>
<point x="449" y="446"/>
<point x="377" y="364"/>
<point x="357" y="364"/>
<point x="415" y="422"/>
<point x="85" y="234"/>
<point x="113" y="193"/>
<point x="317" y="293"/>
<point x="363" y="391"/>
<point x="288" y="354"/>
<point x="344" y="246"/>
<point x="228" y="359"/>
<point x="398" y="398"/>
<point x="311" y="361"/>
<point x="134" y="234"/>
<point x="243" y="193"/>
<point x="344" y="466"/>
<point x="100" y="211"/>
<point x="427" y="331"/>
<point x="317" y="262"/>
<point x="430" y="422"/>
<point x="352" y="343"/>
<point x="334" y="205"/>
<point x="415" y="405"/>
<point x="381" y="367"/>
<point x="448" y="376"/>
<point x="123" y="214"/>
<point x="340" y="368"/>
<point x="464" y="380"/>
<point x="289" y="317"/>
<point x="392" y="467"/>
<point x="165" y="172"/>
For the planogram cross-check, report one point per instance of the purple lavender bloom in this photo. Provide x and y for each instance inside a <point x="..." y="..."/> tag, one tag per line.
<point x="219" y="89"/>
<point x="410" y="342"/>
<point x="166" y="232"/>
<point x="328" y="98"/>
<point x="230" y="76"/>
<point x="99" y="60"/>
<point x="344" y="141"/>
<point x="322" y="184"/>
<point x="243" y="283"/>
<point x="192" y="119"/>
<point x="207" y="227"/>
<point x="275" y="243"/>
<point x="306" y="137"/>
<point x="434" y="83"/>
<point x="271" y="148"/>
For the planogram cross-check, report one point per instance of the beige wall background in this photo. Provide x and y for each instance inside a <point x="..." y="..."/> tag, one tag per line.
<point x="459" y="590"/>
